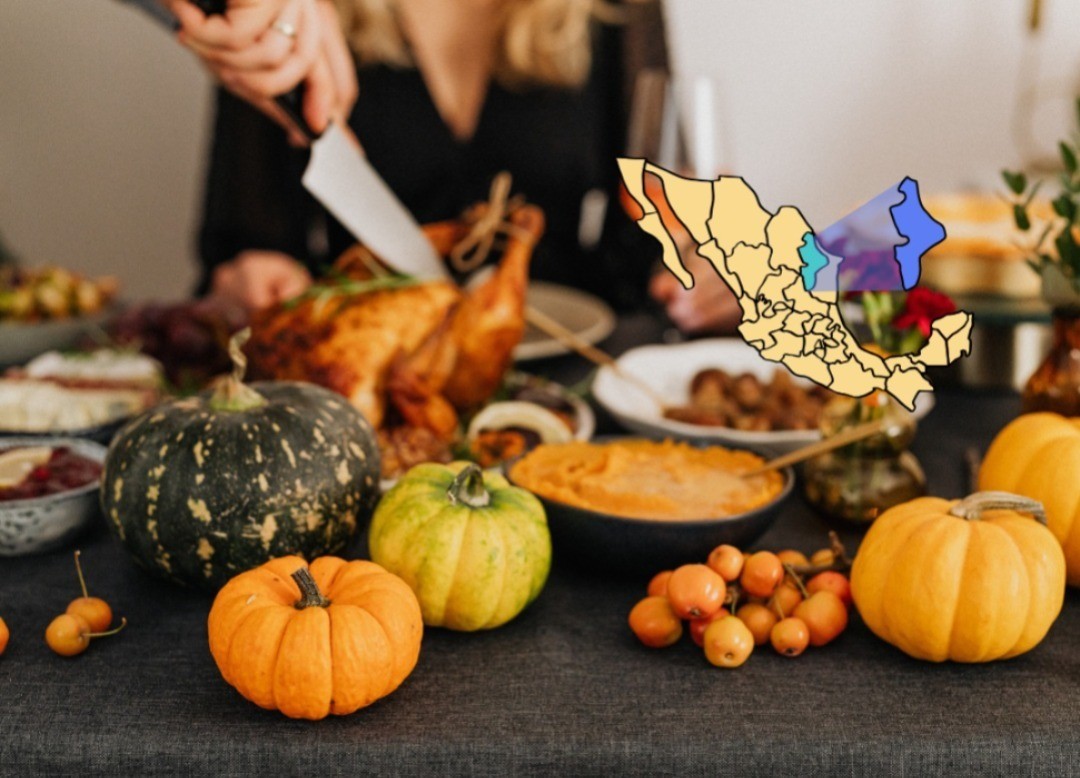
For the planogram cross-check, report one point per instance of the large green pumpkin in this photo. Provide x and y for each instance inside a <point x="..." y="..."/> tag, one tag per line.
<point x="474" y="549"/>
<point x="203" y="488"/>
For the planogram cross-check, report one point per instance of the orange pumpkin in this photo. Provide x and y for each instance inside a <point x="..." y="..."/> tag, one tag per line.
<point x="309" y="642"/>
<point x="1038" y="455"/>
<point x="971" y="580"/>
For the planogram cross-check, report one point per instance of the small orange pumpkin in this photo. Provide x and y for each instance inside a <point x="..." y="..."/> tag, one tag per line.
<point x="972" y="580"/>
<point x="309" y="642"/>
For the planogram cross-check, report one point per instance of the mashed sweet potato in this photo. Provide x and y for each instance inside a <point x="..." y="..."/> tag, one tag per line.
<point x="647" y="480"/>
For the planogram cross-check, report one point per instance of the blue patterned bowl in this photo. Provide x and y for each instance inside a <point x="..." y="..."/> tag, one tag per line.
<point x="46" y="523"/>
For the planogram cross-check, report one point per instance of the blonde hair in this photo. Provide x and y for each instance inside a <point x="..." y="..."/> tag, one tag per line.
<point x="544" y="42"/>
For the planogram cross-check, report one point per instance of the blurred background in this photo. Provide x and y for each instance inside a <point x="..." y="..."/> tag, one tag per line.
<point x="819" y="104"/>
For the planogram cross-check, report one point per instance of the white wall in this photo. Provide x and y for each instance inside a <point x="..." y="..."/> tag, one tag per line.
<point x="823" y="104"/>
<point x="102" y="121"/>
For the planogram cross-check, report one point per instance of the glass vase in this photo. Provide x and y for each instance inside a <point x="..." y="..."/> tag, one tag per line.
<point x="853" y="485"/>
<point x="1055" y="384"/>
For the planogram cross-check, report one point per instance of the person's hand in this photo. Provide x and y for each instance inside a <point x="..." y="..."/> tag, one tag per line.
<point x="257" y="279"/>
<point x="258" y="56"/>
<point x="710" y="306"/>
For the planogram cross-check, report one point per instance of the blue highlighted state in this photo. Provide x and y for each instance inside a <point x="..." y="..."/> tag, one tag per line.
<point x="814" y="261"/>
<point x="880" y="244"/>
<point x="921" y="230"/>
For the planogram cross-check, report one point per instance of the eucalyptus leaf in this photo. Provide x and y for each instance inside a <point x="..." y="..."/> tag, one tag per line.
<point x="1068" y="156"/>
<point x="1020" y="216"/>
<point x="1066" y="247"/>
<point x="1064" y="206"/>
<point x="1017" y="182"/>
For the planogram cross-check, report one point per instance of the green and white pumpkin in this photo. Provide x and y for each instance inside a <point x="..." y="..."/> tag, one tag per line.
<point x="206" y="487"/>
<point x="475" y="549"/>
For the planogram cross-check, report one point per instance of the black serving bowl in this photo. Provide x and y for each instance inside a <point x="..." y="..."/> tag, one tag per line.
<point x="634" y="546"/>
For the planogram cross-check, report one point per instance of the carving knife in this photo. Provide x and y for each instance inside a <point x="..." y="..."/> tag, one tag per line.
<point x="340" y="177"/>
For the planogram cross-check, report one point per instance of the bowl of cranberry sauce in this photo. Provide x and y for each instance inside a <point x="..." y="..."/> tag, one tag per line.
<point x="48" y="492"/>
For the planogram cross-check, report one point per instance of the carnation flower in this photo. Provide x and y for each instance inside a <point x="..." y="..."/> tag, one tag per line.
<point x="921" y="308"/>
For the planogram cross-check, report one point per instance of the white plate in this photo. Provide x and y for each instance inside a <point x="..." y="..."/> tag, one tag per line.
<point x="668" y="370"/>
<point x="588" y="317"/>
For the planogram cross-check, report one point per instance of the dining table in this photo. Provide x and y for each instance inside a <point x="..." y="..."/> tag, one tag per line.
<point x="563" y="689"/>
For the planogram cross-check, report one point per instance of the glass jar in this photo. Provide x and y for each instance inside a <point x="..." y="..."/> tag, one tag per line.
<point x="1055" y="384"/>
<point x="853" y="485"/>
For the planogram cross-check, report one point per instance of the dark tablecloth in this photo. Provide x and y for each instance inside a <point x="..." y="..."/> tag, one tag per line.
<point x="565" y="688"/>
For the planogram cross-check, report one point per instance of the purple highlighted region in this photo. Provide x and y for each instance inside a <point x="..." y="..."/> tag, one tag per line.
<point x="877" y="247"/>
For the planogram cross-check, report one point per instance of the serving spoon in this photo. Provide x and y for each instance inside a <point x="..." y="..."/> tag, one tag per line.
<point x="892" y="428"/>
<point x="574" y="342"/>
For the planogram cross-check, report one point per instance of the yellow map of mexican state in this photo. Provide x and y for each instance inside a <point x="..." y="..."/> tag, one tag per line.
<point x="757" y="254"/>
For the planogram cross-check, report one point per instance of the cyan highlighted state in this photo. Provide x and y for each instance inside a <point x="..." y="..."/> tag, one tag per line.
<point x="814" y="260"/>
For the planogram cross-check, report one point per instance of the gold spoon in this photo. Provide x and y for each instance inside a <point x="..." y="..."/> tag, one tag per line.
<point x="572" y="341"/>
<point x="890" y="427"/>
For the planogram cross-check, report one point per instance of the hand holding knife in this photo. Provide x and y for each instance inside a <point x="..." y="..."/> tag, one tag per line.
<point x="340" y="177"/>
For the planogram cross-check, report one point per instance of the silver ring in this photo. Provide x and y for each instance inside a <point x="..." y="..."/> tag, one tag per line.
<point x="285" y="28"/>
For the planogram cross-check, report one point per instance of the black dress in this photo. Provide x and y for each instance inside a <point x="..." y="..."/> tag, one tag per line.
<point x="558" y="144"/>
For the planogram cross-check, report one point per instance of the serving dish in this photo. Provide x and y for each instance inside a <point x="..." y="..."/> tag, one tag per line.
<point x="668" y="370"/>
<point x="40" y="524"/>
<point x="87" y="394"/>
<point x="635" y="546"/>
<point x="525" y="386"/>
<point x="22" y="341"/>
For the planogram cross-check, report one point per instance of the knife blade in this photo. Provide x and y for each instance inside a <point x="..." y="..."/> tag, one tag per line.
<point x="340" y="177"/>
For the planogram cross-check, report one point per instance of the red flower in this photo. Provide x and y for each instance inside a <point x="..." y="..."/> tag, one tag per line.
<point x="921" y="308"/>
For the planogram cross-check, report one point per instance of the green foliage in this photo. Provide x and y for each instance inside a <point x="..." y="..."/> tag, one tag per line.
<point x="1020" y="216"/>
<point x="1068" y="157"/>
<point x="1017" y="182"/>
<point x="1061" y="233"/>
<point x="342" y="289"/>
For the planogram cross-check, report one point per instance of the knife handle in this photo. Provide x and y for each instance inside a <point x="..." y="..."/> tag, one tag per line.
<point x="292" y="102"/>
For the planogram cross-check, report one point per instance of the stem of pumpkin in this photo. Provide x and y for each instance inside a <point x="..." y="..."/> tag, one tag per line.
<point x="310" y="595"/>
<point x="230" y="392"/>
<point x="468" y="488"/>
<point x="971" y="508"/>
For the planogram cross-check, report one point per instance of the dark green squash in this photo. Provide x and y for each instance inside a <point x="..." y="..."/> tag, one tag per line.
<point x="203" y="488"/>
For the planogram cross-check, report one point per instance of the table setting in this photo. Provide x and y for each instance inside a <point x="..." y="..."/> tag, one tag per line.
<point x="457" y="461"/>
<point x="470" y="563"/>
<point x="565" y="683"/>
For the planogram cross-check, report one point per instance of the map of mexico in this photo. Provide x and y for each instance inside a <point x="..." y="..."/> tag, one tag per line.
<point x="787" y="279"/>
